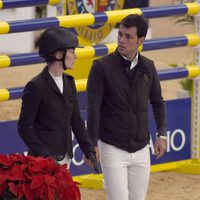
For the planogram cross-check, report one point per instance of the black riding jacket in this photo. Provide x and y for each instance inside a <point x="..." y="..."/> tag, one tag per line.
<point x="118" y="101"/>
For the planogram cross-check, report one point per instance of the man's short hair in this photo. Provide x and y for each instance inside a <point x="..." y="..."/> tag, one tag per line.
<point x="138" y="21"/>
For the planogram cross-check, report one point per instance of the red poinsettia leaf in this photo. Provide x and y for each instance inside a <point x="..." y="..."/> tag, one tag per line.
<point x="36" y="177"/>
<point x="51" y="186"/>
<point x="50" y="180"/>
<point x="5" y="161"/>
<point x="29" y="172"/>
<point x="28" y="175"/>
<point x="48" y="188"/>
<point x="40" y="166"/>
<point x="28" y="159"/>
<point x="17" y="158"/>
<point x="14" y="188"/>
<point x="76" y="192"/>
<point x="43" y="194"/>
<point x="20" y="193"/>
<point x="3" y="176"/>
<point x="3" y="157"/>
<point x="69" y="193"/>
<point x="64" y="178"/>
<point x="51" y="193"/>
<point x="37" y="181"/>
<point x="32" y="158"/>
<point x="16" y="173"/>
<point x="24" y="166"/>
<point x="67" y="188"/>
<point x="28" y="192"/>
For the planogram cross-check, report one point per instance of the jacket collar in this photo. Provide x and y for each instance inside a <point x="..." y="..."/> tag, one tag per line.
<point x="142" y="69"/>
<point x="50" y="80"/>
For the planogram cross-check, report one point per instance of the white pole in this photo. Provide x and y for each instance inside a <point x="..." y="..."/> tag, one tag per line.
<point x="195" y="139"/>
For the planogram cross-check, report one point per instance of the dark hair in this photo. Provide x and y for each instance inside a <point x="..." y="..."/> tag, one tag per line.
<point x="138" y="21"/>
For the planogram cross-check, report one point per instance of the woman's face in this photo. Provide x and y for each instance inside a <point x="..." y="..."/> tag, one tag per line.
<point x="70" y="58"/>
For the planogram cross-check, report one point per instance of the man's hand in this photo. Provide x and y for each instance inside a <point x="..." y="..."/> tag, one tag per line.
<point x="160" y="147"/>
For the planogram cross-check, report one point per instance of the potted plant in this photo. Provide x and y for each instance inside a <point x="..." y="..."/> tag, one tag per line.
<point x="185" y="19"/>
<point x="35" y="178"/>
<point x="186" y="83"/>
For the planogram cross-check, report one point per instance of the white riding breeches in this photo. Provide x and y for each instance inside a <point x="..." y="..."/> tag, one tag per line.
<point x="126" y="174"/>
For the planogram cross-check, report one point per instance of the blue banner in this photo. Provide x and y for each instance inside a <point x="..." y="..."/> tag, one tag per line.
<point x="179" y="135"/>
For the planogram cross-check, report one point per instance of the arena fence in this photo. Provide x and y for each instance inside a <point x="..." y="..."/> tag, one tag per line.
<point x="6" y="4"/>
<point x="95" y="18"/>
<point x="191" y="165"/>
<point x="102" y="49"/>
<point x="167" y="74"/>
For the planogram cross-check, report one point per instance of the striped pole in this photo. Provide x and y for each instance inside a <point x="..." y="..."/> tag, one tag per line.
<point x="16" y="93"/>
<point x="87" y="19"/>
<point x="191" y="71"/>
<point x="168" y="74"/>
<point x="5" y="4"/>
<point x="102" y="49"/>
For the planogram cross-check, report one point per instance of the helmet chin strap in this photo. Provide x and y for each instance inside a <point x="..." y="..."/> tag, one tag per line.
<point x="52" y="58"/>
<point x="63" y="59"/>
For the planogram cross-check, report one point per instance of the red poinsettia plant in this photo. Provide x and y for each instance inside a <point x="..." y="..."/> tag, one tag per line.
<point x="31" y="178"/>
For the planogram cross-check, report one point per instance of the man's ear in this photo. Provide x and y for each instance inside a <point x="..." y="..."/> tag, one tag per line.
<point x="141" y="40"/>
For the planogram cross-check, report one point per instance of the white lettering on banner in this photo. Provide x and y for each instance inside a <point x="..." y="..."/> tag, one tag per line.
<point x="75" y="162"/>
<point x="182" y="134"/>
<point x="168" y="141"/>
<point x="76" y="148"/>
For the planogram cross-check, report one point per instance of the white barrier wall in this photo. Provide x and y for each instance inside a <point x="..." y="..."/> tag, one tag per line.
<point x="20" y="42"/>
<point x="17" y="42"/>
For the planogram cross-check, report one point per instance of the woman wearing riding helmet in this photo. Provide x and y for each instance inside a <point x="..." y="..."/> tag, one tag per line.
<point x="49" y="105"/>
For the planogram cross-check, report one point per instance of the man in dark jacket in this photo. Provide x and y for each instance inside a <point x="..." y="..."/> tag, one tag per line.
<point x="120" y="87"/>
<point x="49" y="105"/>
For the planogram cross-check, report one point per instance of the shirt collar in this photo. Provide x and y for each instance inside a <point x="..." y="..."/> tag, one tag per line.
<point x="136" y="57"/>
<point x="134" y="62"/>
<point x="55" y="77"/>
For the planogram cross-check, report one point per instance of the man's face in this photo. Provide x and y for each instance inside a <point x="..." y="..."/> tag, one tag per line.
<point x="128" y="41"/>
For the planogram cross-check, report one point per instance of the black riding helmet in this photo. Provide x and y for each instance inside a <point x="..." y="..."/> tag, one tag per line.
<point x="54" y="39"/>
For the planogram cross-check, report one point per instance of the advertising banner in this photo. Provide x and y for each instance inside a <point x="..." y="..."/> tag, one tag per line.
<point x="179" y="135"/>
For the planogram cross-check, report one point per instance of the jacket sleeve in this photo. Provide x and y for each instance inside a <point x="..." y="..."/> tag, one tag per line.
<point x="78" y="127"/>
<point x="158" y="104"/>
<point x="95" y="92"/>
<point x="30" y="104"/>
